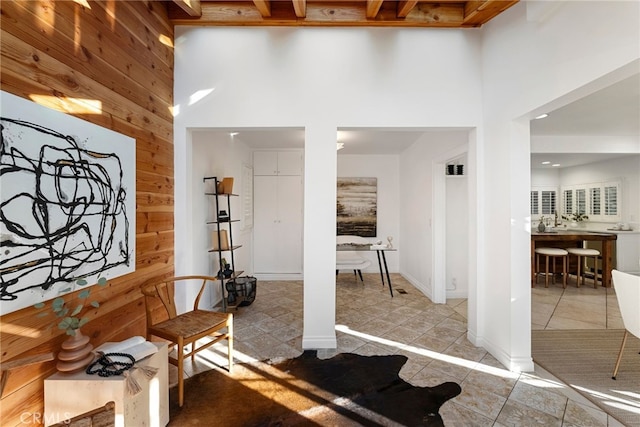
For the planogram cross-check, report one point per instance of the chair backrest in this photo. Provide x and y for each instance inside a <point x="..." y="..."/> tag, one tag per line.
<point x="164" y="292"/>
<point x="627" y="287"/>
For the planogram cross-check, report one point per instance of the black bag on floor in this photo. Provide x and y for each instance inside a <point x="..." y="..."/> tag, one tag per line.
<point x="243" y="288"/>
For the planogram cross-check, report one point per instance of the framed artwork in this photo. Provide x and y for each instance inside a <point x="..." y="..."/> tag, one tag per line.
<point x="67" y="208"/>
<point x="357" y="210"/>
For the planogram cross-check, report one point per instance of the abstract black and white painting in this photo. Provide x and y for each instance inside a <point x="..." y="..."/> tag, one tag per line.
<point x="357" y="201"/>
<point x="67" y="203"/>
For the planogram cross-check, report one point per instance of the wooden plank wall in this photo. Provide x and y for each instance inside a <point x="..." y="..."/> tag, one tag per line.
<point x="119" y="53"/>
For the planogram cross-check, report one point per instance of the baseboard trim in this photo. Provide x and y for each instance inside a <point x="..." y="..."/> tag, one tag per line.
<point x="319" y="342"/>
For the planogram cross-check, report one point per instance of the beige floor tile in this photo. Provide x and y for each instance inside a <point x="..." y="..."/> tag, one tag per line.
<point x="516" y="414"/>
<point x="427" y="333"/>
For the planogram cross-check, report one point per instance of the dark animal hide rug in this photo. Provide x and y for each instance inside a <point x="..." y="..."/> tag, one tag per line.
<point x="345" y="390"/>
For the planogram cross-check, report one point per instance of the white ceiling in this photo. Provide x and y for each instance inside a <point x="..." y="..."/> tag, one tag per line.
<point x="612" y="111"/>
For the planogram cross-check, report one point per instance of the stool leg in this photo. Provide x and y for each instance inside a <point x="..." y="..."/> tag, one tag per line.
<point x="595" y="272"/>
<point x="579" y="275"/>
<point x="564" y="271"/>
<point x="537" y="267"/>
<point x="546" y="271"/>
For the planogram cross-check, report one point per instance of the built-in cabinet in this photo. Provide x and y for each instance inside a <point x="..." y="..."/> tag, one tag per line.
<point x="278" y="213"/>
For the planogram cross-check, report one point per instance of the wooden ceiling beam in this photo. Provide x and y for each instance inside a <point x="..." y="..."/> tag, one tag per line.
<point x="264" y="7"/>
<point x="373" y="7"/>
<point x="300" y="8"/>
<point x="480" y="12"/>
<point x="405" y="6"/>
<point x="191" y="7"/>
<point x="343" y="13"/>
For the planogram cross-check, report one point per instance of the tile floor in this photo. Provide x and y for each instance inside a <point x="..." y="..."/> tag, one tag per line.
<point x="433" y="337"/>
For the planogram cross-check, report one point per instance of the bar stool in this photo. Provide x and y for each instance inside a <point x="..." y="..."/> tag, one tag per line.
<point x="583" y="254"/>
<point x="551" y="253"/>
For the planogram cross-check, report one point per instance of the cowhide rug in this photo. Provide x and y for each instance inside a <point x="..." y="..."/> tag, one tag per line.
<point x="345" y="390"/>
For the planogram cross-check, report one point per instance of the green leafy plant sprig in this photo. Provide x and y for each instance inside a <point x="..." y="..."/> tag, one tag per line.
<point x="576" y="217"/>
<point x="70" y="319"/>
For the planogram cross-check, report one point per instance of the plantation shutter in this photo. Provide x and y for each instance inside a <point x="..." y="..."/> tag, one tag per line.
<point x="594" y="201"/>
<point x="548" y="202"/>
<point x="535" y="208"/>
<point x="611" y="200"/>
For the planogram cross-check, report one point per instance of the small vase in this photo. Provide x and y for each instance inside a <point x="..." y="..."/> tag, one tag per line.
<point x="541" y="227"/>
<point x="75" y="354"/>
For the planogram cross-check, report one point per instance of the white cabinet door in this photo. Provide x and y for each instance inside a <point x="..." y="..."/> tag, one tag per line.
<point x="277" y="232"/>
<point x="290" y="224"/>
<point x="290" y="163"/>
<point x="265" y="230"/>
<point x="265" y="163"/>
<point x="277" y="162"/>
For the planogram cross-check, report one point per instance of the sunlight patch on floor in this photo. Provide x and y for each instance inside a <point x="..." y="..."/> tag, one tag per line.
<point x="432" y="354"/>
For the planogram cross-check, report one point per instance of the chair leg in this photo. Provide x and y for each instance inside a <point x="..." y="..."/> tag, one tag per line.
<point x="230" y="342"/>
<point x="180" y="372"/>
<point x="624" y="341"/>
<point x="546" y="272"/>
<point x="360" y="274"/>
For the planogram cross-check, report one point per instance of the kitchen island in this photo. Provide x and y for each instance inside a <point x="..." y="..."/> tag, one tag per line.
<point x="575" y="238"/>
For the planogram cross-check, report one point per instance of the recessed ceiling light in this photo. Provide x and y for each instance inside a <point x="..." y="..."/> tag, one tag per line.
<point x="233" y="134"/>
<point x="555" y="165"/>
<point x="546" y="163"/>
<point x="542" y="116"/>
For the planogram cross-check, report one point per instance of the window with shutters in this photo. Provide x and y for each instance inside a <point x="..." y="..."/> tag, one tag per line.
<point x="600" y="201"/>
<point x="543" y="201"/>
<point x="567" y="206"/>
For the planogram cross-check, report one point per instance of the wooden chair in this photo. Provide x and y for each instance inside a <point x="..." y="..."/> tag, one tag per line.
<point x="185" y="329"/>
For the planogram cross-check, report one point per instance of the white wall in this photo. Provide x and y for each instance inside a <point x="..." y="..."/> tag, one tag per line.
<point x="216" y="154"/>
<point x="529" y="66"/>
<point x="417" y="165"/>
<point x="323" y="79"/>
<point x="386" y="169"/>
<point x="319" y="79"/>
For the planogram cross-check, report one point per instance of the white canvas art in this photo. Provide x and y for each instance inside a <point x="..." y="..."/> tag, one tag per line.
<point x="67" y="203"/>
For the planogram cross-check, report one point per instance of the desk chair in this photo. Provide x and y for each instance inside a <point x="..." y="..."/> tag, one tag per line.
<point x="350" y="260"/>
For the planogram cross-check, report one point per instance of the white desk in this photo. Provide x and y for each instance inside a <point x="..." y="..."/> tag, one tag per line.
<point x="381" y="258"/>
<point x="67" y="395"/>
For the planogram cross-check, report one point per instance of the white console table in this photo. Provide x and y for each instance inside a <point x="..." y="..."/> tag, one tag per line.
<point x="67" y="395"/>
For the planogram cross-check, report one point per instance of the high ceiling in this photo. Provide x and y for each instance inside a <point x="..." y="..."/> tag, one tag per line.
<point x="322" y="13"/>
<point x="611" y="111"/>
